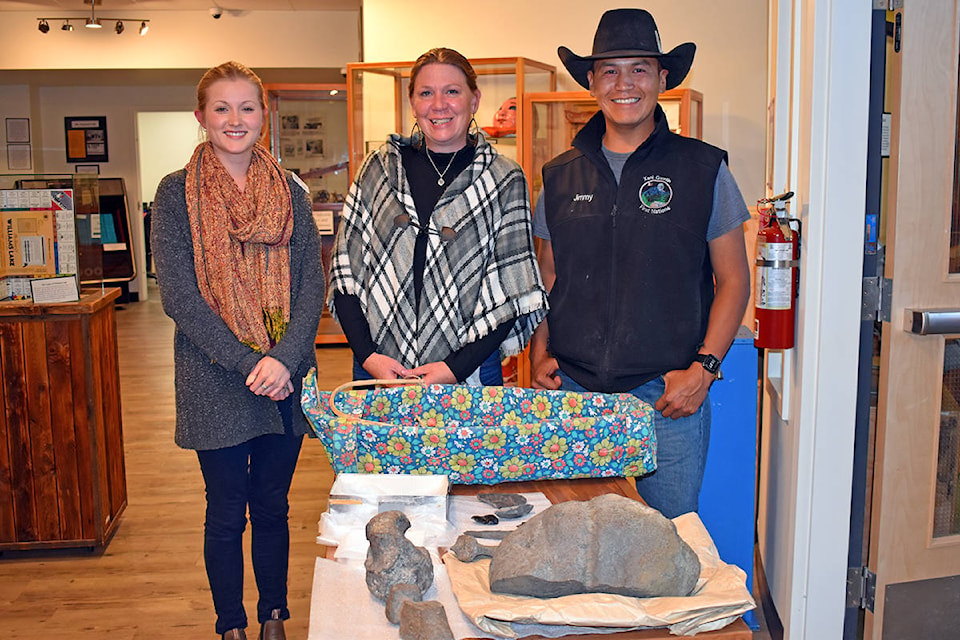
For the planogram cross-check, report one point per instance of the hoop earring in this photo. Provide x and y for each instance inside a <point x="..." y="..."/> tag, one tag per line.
<point x="416" y="136"/>
<point x="473" y="132"/>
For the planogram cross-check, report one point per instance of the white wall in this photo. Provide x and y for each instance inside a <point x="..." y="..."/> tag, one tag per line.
<point x="165" y="141"/>
<point x="120" y="106"/>
<point x="729" y="68"/>
<point x="808" y="432"/>
<point x="14" y="103"/>
<point x="176" y="40"/>
<point x="182" y="40"/>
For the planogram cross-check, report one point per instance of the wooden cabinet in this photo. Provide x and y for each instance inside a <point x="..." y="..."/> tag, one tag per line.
<point x="62" y="474"/>
<point x="308" y="136"/>
<point x="378" y="103"/>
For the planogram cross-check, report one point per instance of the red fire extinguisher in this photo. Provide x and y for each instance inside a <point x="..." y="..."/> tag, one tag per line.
<point x="777" y="275"/>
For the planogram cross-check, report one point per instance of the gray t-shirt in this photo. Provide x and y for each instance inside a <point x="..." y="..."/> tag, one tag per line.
<point x="729" y="209"/>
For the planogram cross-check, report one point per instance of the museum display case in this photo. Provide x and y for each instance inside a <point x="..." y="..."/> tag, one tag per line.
<point x="378" y="102"/>
<point x="378" y="105"/>
<point x="554" y="118"/>
<point x="308" y="135"/>
<point x="87" y="232"/>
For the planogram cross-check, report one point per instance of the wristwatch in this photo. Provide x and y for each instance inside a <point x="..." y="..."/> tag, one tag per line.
<point x="711" y="363"/>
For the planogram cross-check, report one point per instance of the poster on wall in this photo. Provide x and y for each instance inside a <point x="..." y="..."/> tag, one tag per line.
<point x="86" y="139"/>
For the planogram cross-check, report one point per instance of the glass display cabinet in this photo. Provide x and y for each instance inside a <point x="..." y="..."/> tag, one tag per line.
<point x="378" y="102"/>
<point x="77" y="224"/>
<point x="308" y="135"/>
<point x="553" y="119"/>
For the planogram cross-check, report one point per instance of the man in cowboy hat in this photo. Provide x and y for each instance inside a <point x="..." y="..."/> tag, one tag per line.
<point x="642" y="250"/>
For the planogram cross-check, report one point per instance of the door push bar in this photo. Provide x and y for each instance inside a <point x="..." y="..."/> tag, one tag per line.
<point x="933" y="321"/>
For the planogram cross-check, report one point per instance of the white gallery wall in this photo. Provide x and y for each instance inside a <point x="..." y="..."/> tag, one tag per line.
<point x="181" y="40"/>
<point x="36" y="80"/>
<point x="729" y="68"/>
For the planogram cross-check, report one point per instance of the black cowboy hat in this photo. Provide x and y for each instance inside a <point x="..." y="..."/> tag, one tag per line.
<point x="629" y="33"/>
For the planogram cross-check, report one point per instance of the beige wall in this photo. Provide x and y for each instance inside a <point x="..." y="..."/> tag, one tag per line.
<point x="45" y="77"/>
<point x="729" y="68"/>
<point x="182" y="40"/>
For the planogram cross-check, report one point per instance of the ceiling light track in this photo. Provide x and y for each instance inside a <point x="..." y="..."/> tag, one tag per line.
<point x="43" y="24"/>
<point x="93" y="22"/>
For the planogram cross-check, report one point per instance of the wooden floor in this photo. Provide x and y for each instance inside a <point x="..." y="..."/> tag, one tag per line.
<point x="150" y="582"/>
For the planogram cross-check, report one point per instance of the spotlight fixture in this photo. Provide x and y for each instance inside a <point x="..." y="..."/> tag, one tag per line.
<point x="93" y="22"/>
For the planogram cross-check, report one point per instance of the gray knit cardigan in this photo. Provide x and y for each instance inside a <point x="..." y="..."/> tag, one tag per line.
<point x="215" y="409"/>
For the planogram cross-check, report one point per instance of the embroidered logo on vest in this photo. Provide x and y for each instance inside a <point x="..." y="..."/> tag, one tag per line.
<point x="583" y="197"/>
<point x="655" y="195"/>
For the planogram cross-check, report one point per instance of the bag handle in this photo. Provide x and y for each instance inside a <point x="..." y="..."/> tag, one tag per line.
<point x="353" y="384"/>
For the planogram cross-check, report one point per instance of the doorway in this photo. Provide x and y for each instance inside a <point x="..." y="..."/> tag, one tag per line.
<point x="165" y="142"/>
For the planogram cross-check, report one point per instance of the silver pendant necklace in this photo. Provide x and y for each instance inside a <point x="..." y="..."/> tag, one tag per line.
<point x="440" y="174"/>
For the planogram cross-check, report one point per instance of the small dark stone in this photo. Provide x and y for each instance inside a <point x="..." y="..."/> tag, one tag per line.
<point x="511" y="513"/>
<point x="467" y="549"/>
<point x="424" y="621"/>
<point x="493" y="534"/>
<point x="486" y="519"/>
<point x="399" y="594"/>
<point x="502" y="500"/>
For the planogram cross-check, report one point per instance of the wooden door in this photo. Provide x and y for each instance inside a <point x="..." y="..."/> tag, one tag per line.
<point x="914" y="545"/>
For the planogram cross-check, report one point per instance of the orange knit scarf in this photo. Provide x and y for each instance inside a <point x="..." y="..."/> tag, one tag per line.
<point x="241" y="244"/>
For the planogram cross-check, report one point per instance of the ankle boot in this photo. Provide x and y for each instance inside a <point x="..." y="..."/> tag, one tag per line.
<point x="234" y="634"/>
<point x="272" y="629"/>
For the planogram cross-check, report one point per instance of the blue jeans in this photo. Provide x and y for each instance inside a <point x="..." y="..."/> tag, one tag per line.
<point x="257" y="474"/>
<point x="491" y="371"/>
<point x="674" y="487"/>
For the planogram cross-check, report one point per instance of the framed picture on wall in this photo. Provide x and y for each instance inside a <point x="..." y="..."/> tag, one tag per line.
<point x="86" y="139"/>
<point x="19" y="157"/>
<point x="18" y="130"/>
<point x="313" y="147"/>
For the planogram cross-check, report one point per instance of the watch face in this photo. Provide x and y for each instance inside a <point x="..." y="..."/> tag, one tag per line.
<point x="710" y="362"/>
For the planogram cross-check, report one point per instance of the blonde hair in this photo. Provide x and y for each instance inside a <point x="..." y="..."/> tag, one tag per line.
<point x="228" y="71"/>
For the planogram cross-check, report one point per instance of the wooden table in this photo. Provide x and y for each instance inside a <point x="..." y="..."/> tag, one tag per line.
<point x="584" y="489"/>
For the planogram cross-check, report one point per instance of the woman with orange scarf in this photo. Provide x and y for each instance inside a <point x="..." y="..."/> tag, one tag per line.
<point x="238" y="261"/>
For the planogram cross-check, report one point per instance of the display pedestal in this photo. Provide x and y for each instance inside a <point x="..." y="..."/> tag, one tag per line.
<point x="62" y="474"/>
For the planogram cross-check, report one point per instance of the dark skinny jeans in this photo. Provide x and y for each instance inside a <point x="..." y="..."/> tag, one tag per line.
<point x="254" y="474"/>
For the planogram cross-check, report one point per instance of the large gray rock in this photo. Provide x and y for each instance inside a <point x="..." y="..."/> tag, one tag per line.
<point x="391" y="558"/>
<point x="611" y="544"/>
<point x="424" y="621"/>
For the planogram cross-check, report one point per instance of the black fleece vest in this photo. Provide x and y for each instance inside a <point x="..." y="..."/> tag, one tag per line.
<point x="634" y="282"/>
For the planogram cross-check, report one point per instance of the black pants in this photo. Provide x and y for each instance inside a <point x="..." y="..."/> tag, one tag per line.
<point x="255" y="474"/>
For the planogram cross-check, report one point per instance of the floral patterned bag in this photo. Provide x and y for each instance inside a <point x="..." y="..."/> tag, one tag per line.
<point x="480" y="435"/>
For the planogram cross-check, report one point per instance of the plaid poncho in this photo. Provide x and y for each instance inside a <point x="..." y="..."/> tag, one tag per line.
<point x="482" y="278"/>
